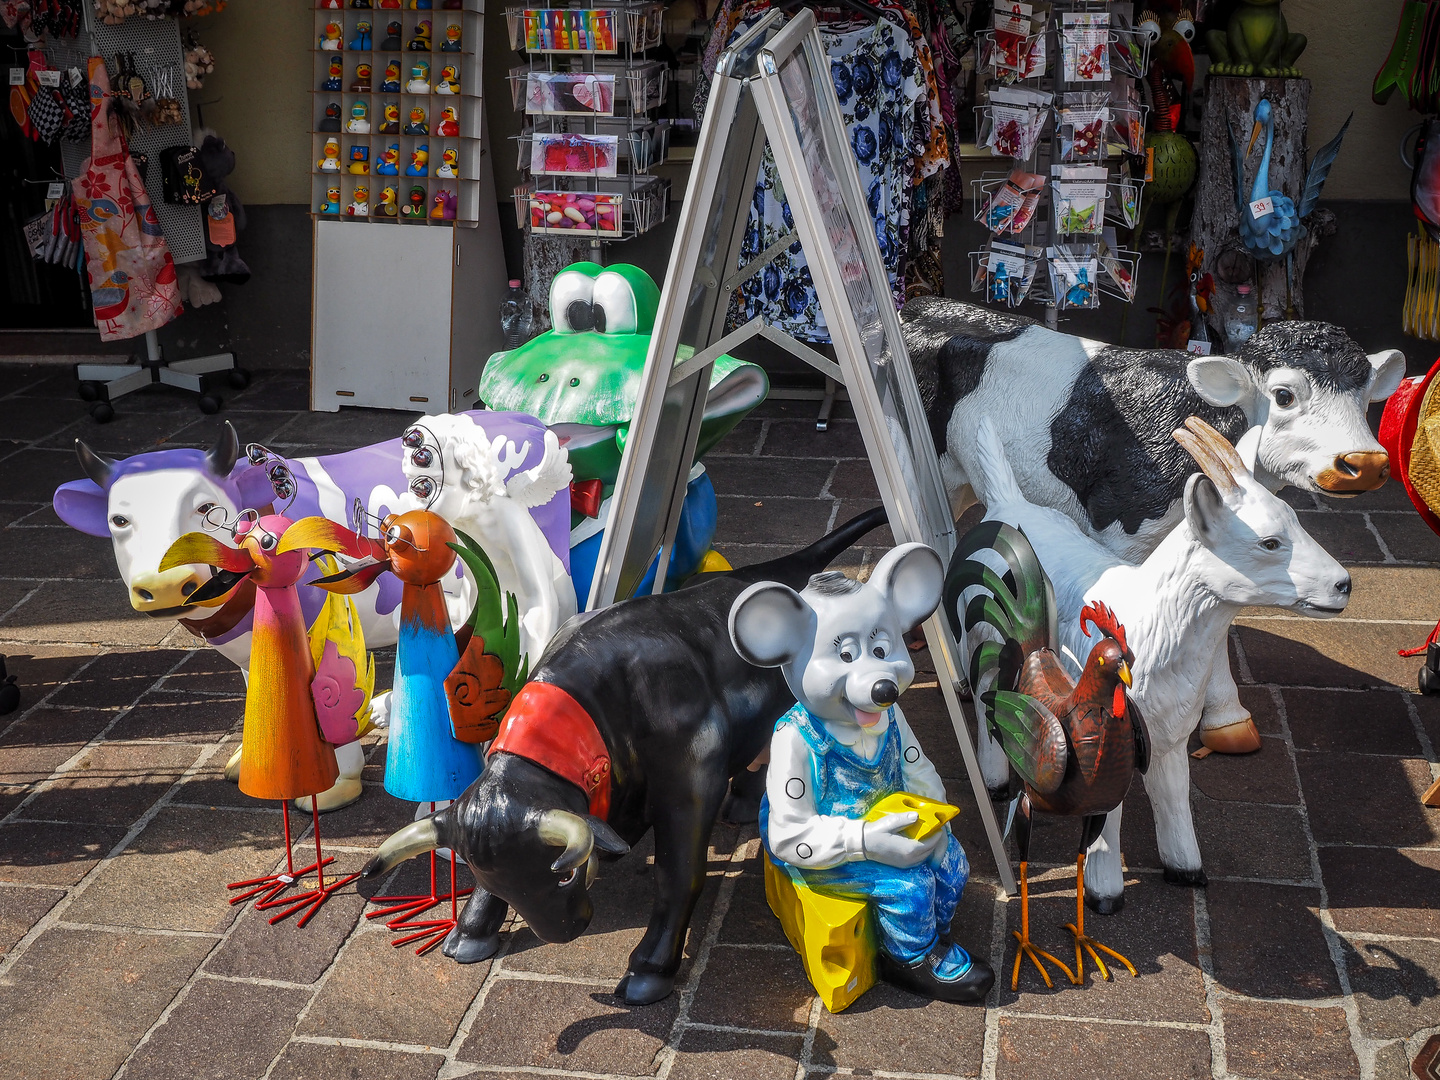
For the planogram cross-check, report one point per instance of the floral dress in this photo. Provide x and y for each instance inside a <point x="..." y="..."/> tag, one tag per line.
<point x="879" y="83"/>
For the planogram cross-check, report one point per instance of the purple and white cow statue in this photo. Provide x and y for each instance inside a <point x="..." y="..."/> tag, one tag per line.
<point x="1086" y="427"/>
<point x="146" y="502"/>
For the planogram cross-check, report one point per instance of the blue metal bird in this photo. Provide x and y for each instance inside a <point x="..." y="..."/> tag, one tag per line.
<point x="1272" y="235"/>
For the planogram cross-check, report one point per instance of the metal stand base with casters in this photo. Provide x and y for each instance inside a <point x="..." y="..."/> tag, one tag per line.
<point x="103" y="383"/>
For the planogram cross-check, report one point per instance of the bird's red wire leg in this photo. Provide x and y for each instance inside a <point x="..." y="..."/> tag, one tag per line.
<point x="429" y="932"/>
<point x="1022" y="936"/>
<point x="271" y="885"/>
<point x="1077" y="928"/>
<point x="310" y="901"/>
<point x="405" y="908"/>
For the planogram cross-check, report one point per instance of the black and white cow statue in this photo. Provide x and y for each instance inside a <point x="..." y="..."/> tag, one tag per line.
<point x="1086" y="427"/>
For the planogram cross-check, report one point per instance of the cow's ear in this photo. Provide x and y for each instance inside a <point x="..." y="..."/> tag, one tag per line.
<point x="1388" y="369"/>
<point x="770" y="624"/>
<point x="606" y="838"/>
<point x="1204" y="506"/>
<point x="1221" y="381"/>
<point x="910" y="577"/>
<point x="82" y="505"/>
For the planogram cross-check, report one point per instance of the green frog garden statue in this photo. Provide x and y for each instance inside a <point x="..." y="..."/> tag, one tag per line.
<point x="1257" y="42"/>
<point x="582" y="378"/>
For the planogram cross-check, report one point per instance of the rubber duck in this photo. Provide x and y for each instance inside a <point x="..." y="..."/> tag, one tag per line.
<point x="449" y="167"/>
<point x="419" y="78"/>
<point x="390" y="5"/>
<point x="449" y="82"/>
<point x="391" y="83"/>
<point x="421" y="41"/>
<point x="417" y="124"/>
<point x="419" y="5"/>
<point x="333" y="79"/>
<point x="415" y="205"/>
<point x="389" y="163"/>
<point x="391" y="41"/>
<point x="361" y="85"/>
<point x="449" y="122"/>
<point x="330" y="39"/>
<point x="359" y="204"/>
<point x="360" y="5"/>
<point x="419" y="161"/>
<point x="331" y="122"/>
<point x="361" y="42"/>
<point x="329" y="5"/>
<point x="330" y="162"/>
<point x="386" y="206"/>
<point x="390" y="118"/>
<point x="452" y="38"/>
<point x="331" y="205"/>
<point x="443" y="206"/>
<point x="359" y="161"/>
<point x="359" y="122"/>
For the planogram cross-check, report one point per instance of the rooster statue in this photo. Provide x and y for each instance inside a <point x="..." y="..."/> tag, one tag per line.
<point x="303" y="696"/>
<point x="444" y="704"/>
<point x="1270" y="222"/>
<point x="1073" y="744"/>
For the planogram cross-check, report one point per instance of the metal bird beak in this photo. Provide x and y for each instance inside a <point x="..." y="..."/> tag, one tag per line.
<point x="326" y="535"/>
<point x="232" y="566"/>
<point x="1254" y="134"/>
<point x="1125" y="673"/>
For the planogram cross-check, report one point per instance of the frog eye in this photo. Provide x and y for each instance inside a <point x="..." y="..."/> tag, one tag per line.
<point x="570" y="296"/>
<point x="616" y="299"/>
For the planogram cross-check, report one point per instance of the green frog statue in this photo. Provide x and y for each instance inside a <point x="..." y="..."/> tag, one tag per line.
<point x="1256" y="42"/>
<point x="582" y="378"/>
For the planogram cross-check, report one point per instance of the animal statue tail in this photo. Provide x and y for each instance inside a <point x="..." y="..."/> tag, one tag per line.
<point x="993" y="478"/>
<point x="418" y="837"/>
<point x="797" y="568"/>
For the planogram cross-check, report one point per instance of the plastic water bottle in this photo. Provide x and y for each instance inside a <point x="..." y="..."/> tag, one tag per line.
<point x="517" y="318"/>
<point x="1240" y="322"/>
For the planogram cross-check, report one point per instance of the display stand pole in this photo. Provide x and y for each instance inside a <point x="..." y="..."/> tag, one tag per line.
<point x="775" y="81"/>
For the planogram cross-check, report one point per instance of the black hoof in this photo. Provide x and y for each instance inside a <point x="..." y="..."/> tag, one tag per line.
<point x="1105" y="905"/>
<point x="465" y="950"/>
<point x="1194" y="879"/>
<point x="638" y="988"/>
<point x="740" y="810"/>
<point x="919" y="978"/>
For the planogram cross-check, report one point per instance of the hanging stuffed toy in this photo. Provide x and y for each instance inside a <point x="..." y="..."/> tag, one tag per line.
<point x="132" y="276"/>
<point x="224" y="215"/>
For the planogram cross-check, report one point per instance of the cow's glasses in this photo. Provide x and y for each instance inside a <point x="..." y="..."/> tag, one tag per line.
<point x="282" y="480"/>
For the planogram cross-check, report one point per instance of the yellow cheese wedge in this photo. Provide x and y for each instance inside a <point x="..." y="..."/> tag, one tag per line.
<point x="933" y="815"/>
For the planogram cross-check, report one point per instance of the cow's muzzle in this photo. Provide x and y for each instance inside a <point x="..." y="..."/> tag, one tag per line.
<point x="168" y="589"/>
<point x="1353" y="473"/>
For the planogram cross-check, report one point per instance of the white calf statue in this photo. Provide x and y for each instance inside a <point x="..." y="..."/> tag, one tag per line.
<point x="1237" y="545"/>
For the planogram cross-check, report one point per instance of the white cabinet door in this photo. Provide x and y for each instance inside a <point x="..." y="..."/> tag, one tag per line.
<point x="381" y="331"/>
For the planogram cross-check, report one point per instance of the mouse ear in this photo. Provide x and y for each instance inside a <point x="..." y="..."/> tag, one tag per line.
<point x="770" y="625"/>
<point x="910" y="577"/>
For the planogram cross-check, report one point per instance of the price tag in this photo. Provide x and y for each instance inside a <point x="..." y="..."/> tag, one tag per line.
<point x="1261" y="207"/>
<point x="55" y="190"/>
<point x="17" y="76"/>
<point x="1199" y="348"/>
<point x="48" y="78"/>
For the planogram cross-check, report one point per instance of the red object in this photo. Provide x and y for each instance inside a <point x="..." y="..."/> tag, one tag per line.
<point x="546" y="725"/>
<point x="1397" y="434"/>
<point x="585" y="497"/>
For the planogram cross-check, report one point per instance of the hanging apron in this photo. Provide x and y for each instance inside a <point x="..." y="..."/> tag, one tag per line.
<point x="132" y="277"/>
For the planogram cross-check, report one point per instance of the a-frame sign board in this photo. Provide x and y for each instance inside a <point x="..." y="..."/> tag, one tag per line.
<point x="775" y="82"/>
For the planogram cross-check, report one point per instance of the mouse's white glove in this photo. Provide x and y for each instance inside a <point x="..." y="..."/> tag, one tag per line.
<point x="883" y="842"/>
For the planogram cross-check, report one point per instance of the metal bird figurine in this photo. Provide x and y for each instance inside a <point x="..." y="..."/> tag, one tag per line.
<point x="284" y="754"/>
<point x="1271" y="224"/>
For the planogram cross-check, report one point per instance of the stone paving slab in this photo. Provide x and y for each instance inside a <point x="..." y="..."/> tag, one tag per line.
<point x="1314" y="953"/>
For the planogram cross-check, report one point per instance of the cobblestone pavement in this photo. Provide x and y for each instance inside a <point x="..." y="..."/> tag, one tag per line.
<point x="1314" y="953"/>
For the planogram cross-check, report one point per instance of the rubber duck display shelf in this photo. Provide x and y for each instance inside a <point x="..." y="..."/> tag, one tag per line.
<point x="388" y="81"/>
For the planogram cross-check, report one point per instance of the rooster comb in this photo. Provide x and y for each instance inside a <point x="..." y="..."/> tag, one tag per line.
<point x="1106" y="622"/>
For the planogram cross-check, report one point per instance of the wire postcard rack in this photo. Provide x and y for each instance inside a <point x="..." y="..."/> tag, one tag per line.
<point x="1063" y="106"/>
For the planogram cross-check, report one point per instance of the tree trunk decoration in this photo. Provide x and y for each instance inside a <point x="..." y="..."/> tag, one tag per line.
<point x="1216" y="222"/>
<point x="546" y="256"/>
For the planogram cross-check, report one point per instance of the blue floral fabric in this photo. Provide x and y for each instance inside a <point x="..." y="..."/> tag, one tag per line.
<point x="878" y="81"/>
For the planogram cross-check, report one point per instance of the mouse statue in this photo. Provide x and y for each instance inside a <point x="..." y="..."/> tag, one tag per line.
<point x="853" y="809"/>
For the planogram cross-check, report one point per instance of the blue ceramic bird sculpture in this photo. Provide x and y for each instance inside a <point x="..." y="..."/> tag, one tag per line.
<point x="1272" y="235"/>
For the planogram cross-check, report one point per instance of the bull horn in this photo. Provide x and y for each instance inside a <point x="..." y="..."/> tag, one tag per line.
<point x="97" y="468"/>
<point x="220" y="459"/>
<point x="1207" y="456"/>
<point x="1224" y="449"/>
<point x="560" y="828"/>
<point x="418" y="836"/>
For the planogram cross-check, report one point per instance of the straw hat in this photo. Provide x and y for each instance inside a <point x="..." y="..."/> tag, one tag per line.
<point x="1410" y="434"/>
